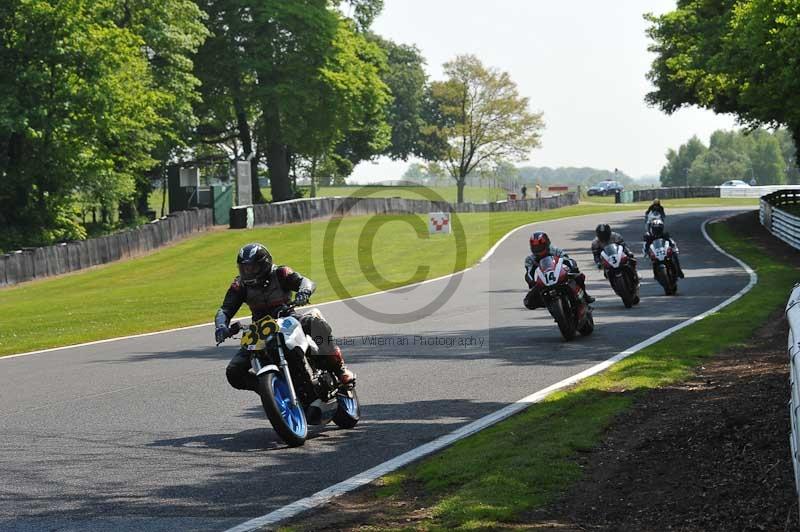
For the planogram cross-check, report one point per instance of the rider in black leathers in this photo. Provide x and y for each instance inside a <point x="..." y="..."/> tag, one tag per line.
<point x="657" y="208"/>
<point x="605" y="236"/>
<point x="265" y="288"/>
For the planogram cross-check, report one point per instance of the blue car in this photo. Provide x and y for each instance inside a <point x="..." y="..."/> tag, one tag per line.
<point x="605" y="188"/>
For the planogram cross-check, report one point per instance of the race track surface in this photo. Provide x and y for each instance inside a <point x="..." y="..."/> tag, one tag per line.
<point x="146" y="434"/>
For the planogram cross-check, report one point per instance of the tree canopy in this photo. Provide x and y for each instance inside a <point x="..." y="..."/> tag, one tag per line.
<point x="730" y="56"/>
<point x="760" y="155"/>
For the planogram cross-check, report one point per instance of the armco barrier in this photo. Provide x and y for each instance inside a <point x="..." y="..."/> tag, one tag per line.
<point x="775" y="218"/>
<point x="37" y="263"/>
<point x="793" y="316"/>
<point x="303" y="210"/>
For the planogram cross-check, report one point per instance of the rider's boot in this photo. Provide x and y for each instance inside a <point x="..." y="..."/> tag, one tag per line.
<point x="582" y="282"/>
<point x="339" y="368"/>
<point x="530" y="300"/>
<point x="678" y="265"/>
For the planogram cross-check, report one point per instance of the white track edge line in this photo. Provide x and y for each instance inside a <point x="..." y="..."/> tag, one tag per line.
<point x="370" y="475"/>
<point x="404" y="287"/>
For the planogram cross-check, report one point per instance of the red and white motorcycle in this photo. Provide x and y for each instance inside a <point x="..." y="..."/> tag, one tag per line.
<point x="564" y="298"/>
<point x="665" y="270"/>
<point x="619" y="271"/>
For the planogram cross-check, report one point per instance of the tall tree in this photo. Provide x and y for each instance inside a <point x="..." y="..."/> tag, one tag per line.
<point x="405" y="76"/>
<point x="478" y="118"/>
<point x="172" y="31"/>
<point x="285" y="58"/>
<point x="78" y="113"/>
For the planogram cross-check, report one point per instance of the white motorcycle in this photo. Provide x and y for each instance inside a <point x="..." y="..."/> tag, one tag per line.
<point x="291" y="398"/>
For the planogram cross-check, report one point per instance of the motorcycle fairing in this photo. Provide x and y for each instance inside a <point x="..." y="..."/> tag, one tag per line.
<point x="293" y="335"/>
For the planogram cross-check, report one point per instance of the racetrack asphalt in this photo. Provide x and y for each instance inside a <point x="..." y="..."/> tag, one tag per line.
<point x="146" y="434"/>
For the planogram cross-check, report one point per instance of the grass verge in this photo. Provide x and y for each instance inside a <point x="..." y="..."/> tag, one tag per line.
<point x="184" y="284"/>
<point x="489" y="481"/>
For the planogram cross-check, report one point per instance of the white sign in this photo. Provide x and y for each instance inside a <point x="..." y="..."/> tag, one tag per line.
<point x="190" y="177"/>
<point x="244" y="187"/>
<point x="439" y="223"/>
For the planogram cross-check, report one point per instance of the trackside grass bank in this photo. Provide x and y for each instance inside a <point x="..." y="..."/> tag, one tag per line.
<point x="184" y="284"/>
<point x="490" y="480"/>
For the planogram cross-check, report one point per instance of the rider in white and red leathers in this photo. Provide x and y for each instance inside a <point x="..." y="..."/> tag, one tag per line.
<point x="542" y="247"/>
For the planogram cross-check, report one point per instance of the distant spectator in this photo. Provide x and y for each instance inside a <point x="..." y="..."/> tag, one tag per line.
<point x="538" y="191"/>
<point x="524" y="191"/>
<point x="752" y="181"/>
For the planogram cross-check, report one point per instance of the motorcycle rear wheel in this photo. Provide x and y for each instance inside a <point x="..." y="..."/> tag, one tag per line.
<point x="288" y="421"/>
<point x="348" y="412"/>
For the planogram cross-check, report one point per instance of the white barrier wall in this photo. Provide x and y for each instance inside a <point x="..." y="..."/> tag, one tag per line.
<point x="793" y="316"/>
<point x="753" y="192"/>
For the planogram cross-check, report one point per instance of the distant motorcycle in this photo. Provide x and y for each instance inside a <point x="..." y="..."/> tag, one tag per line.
<point x="563" y="297"/>
<point x="291" y="407"/>
<point x="664" y="269"/>
<point x="620" y="273"/>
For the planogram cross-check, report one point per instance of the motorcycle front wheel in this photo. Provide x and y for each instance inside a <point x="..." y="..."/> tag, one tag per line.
<point x="623" y="288"/>
<point x="565" y="323"/>
<point x="348" y="411"/>
<point x="588" y="326"/>
<point x="287" y="420"/>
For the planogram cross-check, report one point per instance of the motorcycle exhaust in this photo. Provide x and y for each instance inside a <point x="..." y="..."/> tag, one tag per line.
<point x="320" y="413"/>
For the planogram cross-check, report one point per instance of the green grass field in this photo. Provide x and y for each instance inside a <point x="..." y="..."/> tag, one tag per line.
<point x="488" y="481"/>
<point x="184" y="284"/>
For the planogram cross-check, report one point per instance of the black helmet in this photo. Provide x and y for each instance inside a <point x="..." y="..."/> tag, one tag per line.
<point x="603" y="232"/>
<point x="657" y="228"/>
<point x="255" y="264"/>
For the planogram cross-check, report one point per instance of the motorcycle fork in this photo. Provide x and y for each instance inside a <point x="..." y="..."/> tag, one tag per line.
<point x="283" y="365"/>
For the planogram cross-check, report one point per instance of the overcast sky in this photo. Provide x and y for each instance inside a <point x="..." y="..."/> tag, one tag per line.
<point x="581" y="62"/>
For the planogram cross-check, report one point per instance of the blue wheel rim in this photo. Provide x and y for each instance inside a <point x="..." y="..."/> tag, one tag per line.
<point x="293" y="416"/>
<point x="348" y="404"/>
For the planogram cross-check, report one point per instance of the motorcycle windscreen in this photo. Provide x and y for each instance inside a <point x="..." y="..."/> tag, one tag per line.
<point x="548" y="264"/>
<point x="612" y="254"/>
<point x="659" y="248"/>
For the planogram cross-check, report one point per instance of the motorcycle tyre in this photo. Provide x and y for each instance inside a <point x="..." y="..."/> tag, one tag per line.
<point x="588" y="327"/>
<point x="344" y="419"/>
<point x="565" y="325"/>
<point x="268" y="401"/>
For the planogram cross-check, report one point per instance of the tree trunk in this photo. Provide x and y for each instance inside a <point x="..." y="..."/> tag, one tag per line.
<point x="313" y="177"/>
<point x="460" y="182"/>
<point x="278" y="164"/>
<point x="277" y="154"/>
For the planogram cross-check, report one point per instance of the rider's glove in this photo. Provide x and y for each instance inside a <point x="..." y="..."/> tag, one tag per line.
<point x="301" y="298"/>
<point x="221" y="333"/>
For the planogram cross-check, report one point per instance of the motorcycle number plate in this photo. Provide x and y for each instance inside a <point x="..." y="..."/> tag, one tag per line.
<point x="255" y="339"/>
<point x="550" y="277"/>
